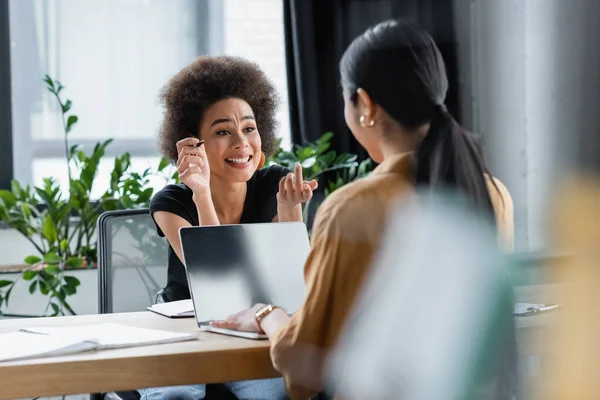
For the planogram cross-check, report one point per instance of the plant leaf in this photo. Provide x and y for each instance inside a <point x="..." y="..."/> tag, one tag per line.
<point x="7" y="295"/>
<point x="72" y="120"/>
<point x="30" y="274"/>
<point x="327" y="159"/>
<point x="145" y="196"/>
<point x="325" y="138"/>
<point x="30" y="260"/>
<point x="16" y="189"/>
<point x="69" y="290"/>
<point x="52" y="258"/>
<point x="74" y="262"/>
<point x="309" y="162"/>
<point x="127" y="202"/>
<point x="56" y="308"/>
<point x="67" y="106"/>
<point x="305" y="153"/>
<point x="8" y="197"/>
<point x="4" y="283"/>
<point x="345" y="159"/>
<point x="49" y="81"/>
<point x="44" y="288"/>
<point x="50" y="229"/>
<point x="32" y="287"/>
<point x="110" y="204"/>
<point x="72" y="281"/>
<point x="164" y="161"/>
<point x="52" y="269"/>
<point x="64" y="245"/>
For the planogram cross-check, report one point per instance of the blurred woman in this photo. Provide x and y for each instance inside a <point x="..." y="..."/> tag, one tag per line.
<point x="219" y="123"/>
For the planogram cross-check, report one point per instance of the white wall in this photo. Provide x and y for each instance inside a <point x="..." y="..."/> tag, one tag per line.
<point x="13" y="247"/>
<point x="529" y="77"/>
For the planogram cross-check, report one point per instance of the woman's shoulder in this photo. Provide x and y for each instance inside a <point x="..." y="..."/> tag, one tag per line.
<point x="364" y="198"/>
<point x="271" y="175"/>
<point x="504" y="211"/>
<point x="171" y="193"/>
<point x="272" y="171"/>
<point x="498" y="191"/>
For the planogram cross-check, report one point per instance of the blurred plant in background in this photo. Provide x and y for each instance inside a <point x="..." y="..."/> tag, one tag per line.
<point x="61" y="226"/>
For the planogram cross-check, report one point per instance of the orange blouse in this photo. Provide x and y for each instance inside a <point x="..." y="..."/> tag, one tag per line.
<point x="346" y="232"/>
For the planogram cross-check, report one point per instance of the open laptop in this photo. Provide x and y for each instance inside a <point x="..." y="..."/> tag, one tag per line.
<point x="232" y="267"/>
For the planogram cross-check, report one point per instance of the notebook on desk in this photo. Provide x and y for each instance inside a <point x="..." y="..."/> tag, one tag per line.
<point x="232" y="267"/>
<point x="56" y="341"/>
<point x="174" y="309"/>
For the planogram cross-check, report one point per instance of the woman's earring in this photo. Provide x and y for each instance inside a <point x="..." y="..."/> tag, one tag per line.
<point x="363" y="124"/>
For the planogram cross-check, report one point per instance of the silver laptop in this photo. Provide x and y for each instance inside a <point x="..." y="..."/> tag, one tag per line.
<point x="232" y="267"/>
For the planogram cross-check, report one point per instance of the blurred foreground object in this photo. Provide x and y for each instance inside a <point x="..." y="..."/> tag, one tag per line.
<point x="574" y="370"/>
<point x="434" y="320"/>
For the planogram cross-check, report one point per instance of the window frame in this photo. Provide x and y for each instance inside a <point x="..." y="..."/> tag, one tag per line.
<point x="29" y="148"/>
<point x="6" y="144"/>
<point x="210" y="10"/>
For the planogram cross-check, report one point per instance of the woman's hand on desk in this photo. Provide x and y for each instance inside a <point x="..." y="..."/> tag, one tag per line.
<point x="242" y="321"/>
<point x="293" y="191"/>
<point x="245" y="320"/>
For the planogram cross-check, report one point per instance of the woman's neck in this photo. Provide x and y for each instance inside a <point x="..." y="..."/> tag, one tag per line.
<point x="228" y="199"/>
<point x="401" y="141"/>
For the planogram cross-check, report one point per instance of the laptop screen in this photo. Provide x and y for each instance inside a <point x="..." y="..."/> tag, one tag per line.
<point x="232" y="267"/>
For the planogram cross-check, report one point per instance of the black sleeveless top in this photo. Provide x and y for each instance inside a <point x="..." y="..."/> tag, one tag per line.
<point x="260" y="205"/>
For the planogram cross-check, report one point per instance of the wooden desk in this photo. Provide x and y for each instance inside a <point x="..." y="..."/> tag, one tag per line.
<point x="213" y="358"/>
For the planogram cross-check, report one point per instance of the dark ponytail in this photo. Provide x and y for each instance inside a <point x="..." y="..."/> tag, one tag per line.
<point x="399" y="65"/>
<point x="449" y="157"/>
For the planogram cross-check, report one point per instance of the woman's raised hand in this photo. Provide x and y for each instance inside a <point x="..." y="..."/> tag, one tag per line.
<point x="192" y="165"/>
<point x="293" y="190"/>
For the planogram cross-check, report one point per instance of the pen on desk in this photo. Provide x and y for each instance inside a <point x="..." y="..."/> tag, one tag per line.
<point x="544" y="307"/>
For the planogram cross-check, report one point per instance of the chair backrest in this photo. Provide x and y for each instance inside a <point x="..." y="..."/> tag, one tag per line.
<point x="132" y="261"/>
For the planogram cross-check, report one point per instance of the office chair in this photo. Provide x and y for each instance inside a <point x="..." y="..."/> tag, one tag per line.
<point x="132" y="268"/>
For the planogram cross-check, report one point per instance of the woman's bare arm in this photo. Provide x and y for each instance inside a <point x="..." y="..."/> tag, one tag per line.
<point x="170" y="224"/>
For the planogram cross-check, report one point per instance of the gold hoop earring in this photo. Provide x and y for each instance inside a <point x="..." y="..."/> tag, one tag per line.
<point x="362" y="122"/>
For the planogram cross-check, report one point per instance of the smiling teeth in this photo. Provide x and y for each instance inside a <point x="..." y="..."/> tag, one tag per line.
<point x="239" y="160"/>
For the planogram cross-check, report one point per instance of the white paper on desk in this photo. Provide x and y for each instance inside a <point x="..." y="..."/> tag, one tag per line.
<point x="174" y="309"/>
<point x="22" y="345"/>
<point x="112" y="335"/>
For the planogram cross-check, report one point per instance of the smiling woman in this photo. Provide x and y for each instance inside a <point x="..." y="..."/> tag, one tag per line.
<point x="219" y="123"/>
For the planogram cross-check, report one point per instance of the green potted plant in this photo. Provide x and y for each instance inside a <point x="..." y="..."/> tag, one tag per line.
<point x="61" y="226"/>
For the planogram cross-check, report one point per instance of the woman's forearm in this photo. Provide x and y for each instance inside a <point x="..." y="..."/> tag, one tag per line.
<point x="272" y="323"/>
<point x="207" y="215"/>
<point x="293" y="214"/>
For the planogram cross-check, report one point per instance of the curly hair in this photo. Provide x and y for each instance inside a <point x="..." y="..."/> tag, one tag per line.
<point x="206" y="81"/>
